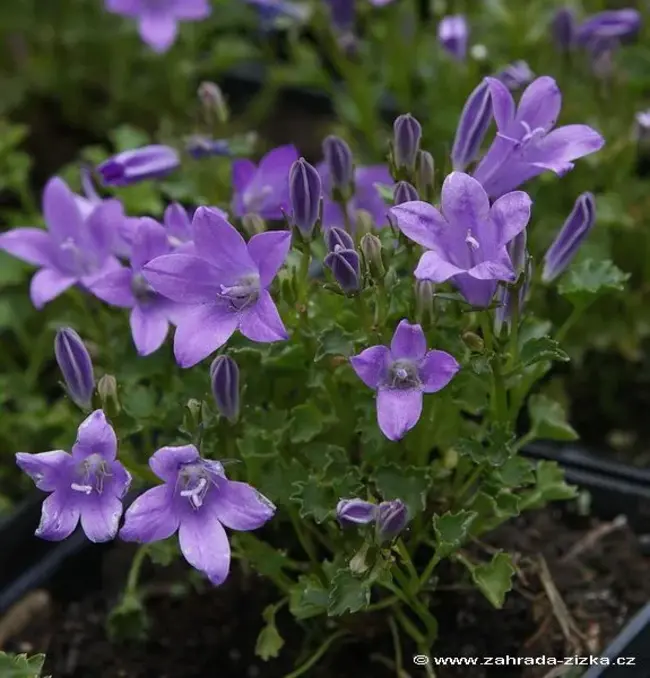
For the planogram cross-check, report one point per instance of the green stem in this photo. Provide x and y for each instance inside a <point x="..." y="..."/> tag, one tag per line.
<point x="523" y="441"/>
<point x="397" y="646"/>
<point x="305" y="541"/>
<point x="499" y="393"/>
<point x="134" y="572"/>
<point x="465" y="487"/>
<point x="317" y="655"/>
<point x="428" y="570"/>
<point x="514" y="331"/>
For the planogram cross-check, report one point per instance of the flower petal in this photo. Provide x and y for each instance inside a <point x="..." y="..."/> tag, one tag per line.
<point x="262" y="322"/>
<point x="243" y="172"/>
<point x="509" y="215"/>
<point x="59" y="517"/>
<point x="150" y="241"/>
<point x="61" y="212"/>
<point x="398" y="411"/>
<point x="166" y="461"/>
<point x="158" y="29"/>
<point x="33" y="245"/>
<point x="503" y="105"/>
<point x="437" y="370"/>
<point x="464" y="202"/>
<point x="100" y="516"/>
<point x="115" y="288"/>
<point x="476" y="292"/>
<point x="421" y="222"/>
<point x="149" y="328"/>
<point x="433" y="267"/>
<point x="48" y="284"/>
<point x="494" y="269"/>
<point x="204" y="544"/>
<point x="241" y="507"/>
<point x="150" y="517"/>
<point x="201" y="331"/>
<point x="95" y="436"/>
<point x="540" y="104"/>
<point x="564" y="144"/>
<point x="48" y="470"/>
<point x="183" y="278"/>
<point x="192" y="10"/>
<point x="371" y="365"/>
<point x="269" y="251"/>
<point x="408" y="342"/>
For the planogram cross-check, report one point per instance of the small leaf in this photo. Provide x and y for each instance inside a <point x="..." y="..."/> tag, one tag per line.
<point x="128" y="620"/>
<point x="452" y="529"/>
<point x="494" y="450"/>
<point x="269" y="642"/>
<point x="20" y="665"/>
<point x="550" y="486"/>
<point x="307" y="422"/>
<point x="542" y="349"/>
<point x="516" y="472"/>
<point x="308" y="598"/>
<point x="265" y="559"/>
<point x="334" y="342"/>
<point x="347" y="594"/>
<point x="163" y="552"/>
<point x="316" y="499"/>
<point x="548" y="419"/>
<point x="386" y="192"/>
<point x="410" y="484"/>
<point x="590" y="279"/>
<point x="494" y="579"/>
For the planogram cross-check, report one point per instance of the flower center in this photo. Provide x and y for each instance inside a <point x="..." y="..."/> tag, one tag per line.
<point x="531" y="135"/>
<point x="403" y="374"/>
<point x="194" y="481"/>
<point x="471" y="241"/>
<point x="141" y="289"/>
<point x="243" y="293"/>
<point x="90" y="475"/>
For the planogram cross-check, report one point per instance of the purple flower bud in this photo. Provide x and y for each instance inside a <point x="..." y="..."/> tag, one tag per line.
<point x="338" y="236"/>
<point x="407" y="133"/>
<point x="200" y="146"/>
<point x="516" y="75"/>
<point x="75" y="365"/>
<point x="340" y="164"/>
<point x="404" y="192"/>
<point x="424" y="291"/>
<point x="305" y="191"/>
<point x="355" y="512"/>
<point x="224" y="381"/>
<point x="453" y="34"/>
<point x="392" y="517"/>
<point x="474" y="121"/>
<point x="213" y="101"/>
<point x="341" y="15"/>
<point x="563" y="28"/>
<point x="345" y="267"/>
<point x="148" y="162"/>
<point x="517" y="251"/>
<point x="570" y="237"/>
<point x="425" y="174"/>
<point x="617" y="24"/>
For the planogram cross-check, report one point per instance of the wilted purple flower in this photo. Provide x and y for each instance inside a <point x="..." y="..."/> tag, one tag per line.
<point x="473" y="124"/>
<point x="339" y="163"/>
<point x="158" y="21"/>
<point x="453" y="34"/>
<point x="224" y="382"/>
<point x="76" y="366"/>
<point x="226" y="284"/>
<point x="563" y="28"/>
<point x="197" y="500"/>
<point x="467" y="241"/>
<point x="74" y="248"/>
<point x="338" y="237"/>
<point x="516" y="75"/>
<point x="526" y="144"/>
<point x="305" y="193"/>
<point x="407" y="133"/>
<point x="345" y="267"/>
<point x="200" y="146"/>
<point x="355" y="512"/>
<point x="392" y="518"/>
<point x="404" y="192"/>
<point x="264" y="189"/>
<point x="617" y="24"/>
<point x="401" y="375"/>
<point x="138" y="164"/>
<point x="88" y="484"/>
<point x="568" y="240"/>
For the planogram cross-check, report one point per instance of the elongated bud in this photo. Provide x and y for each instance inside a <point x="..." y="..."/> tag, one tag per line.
<point x="404" y="192"/>
<point x="570" y="237"/>
<point x="345" y="267"/>
<point x="425" y="175"/>
<point x="340" y="165"/>
<point x="355" y="512"/>
<point x="563" y="28"/>
<point x="107" y="391"/>
<point x="473" y="342"/>
<point x="338" y="236"/>
<point x="305" y="191"/>
<point x="453" y="34"/>
<point x="213" y="101"/>
<point x="407" y="133"/>
<point x="253" y="224"/>
<point x="138" y="164"/>
<point x="364" y="223"/>
<point x="392" y="518"/>
<point x="76" y="366"/>
<point x="472" y="127"/>
<point x="371" y="249"/>
<point x="224" y="380"/>
<point x="424" y="291"/>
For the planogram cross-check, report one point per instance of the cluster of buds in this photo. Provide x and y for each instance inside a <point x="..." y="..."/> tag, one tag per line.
<point x="390" y="517"/>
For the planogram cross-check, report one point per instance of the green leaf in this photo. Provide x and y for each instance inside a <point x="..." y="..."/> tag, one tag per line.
<point x="492" y="510"/>
<point x="410" y="484"/>
<point x="494" y="450"/>
<point x="307" y="422"/>
<point x="548" y="419"/>
<point x="494" y="579"/>
<point x="308" y="598"/>
<point x="347" y="594"/>
<point x="452" y="530"/>
<point x="164" y="552"/>
<point x="542" y="349"/>
<point x="267" y="560"/>
<point x="269" y="642"/>
<point x="20" y="665"/>
<point x="128" y="620"/>
<point x="139" y="402"/>
<point x="550" y="486"/>
<point x="316" y="499"/>
<point x="386" y="193"/>
<point x="334" y="342"/>
<point x="590" y="279"/>
<point x="516" y="472"/>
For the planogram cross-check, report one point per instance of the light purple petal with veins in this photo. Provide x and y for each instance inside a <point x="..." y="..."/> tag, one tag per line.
<point x="269" y="251"/>
<point x="408" y="342"/>
<point x="437" y="370"/>
<point x="398" y="411"/>
<point x="204" y="544"/>
<point x="183" y="278"/>
<point x="262" y="322"/>
<point x="371" y="365"/>
<point x="201" y="331"/>
<point x="239" y="506"/>
<point x="166" y="461"/>
<point x="151" y="516"/>
<point x="48" y="284"/>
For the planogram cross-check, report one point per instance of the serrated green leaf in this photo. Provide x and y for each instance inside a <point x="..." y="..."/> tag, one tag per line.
<point x="492" y="510"/>
<point x="315" y="498"/>
<point x="334" y="342"/>
<point x="590" y="279"/>
<point x="306" y="423"/>
<point x="452" y="530"/>
<point x="308" y="598"/>
<point x="542" y="349"/>
<point x="516" y="472"/>
<point x="494" y="450"/>
<point x="128" y="620"/>
<point x="20" y="665"/>
<point x="269" y="642"/>
<point x="494" y="579"/>
<point x="410" y="484"/>
<point x="163" y="552"/>
<point x="550" y="486"/>
<point x="347" y="594"/>
<point x="548" y="419"/>
<point x="265" y="559"/>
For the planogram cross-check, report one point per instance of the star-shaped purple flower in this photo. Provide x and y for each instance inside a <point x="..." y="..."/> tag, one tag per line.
<point x="225" y="284"/>
<point x="401" y="375"/>
<point x="87" y="485"/>
<point x="526" y="144"/>
<point x="197" y="500"/>
<point x="158" y="19"/>
<point x="466" y="242"/>
<point x="366" y="196"/>
<point x="151" y="312"/>
<point x="75" y="248"/>
<point x="263" y="189"/>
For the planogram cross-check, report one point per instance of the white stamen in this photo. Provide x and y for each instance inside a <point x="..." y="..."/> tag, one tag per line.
<point x="194" y="494"/>
<point x="471" y="240"/>
<point x="86" y="489"/>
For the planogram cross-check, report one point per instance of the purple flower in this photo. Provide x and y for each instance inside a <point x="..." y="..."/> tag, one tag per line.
<point x="346" y="268"/>
<point x="526" y="144"/>
<point x="453" y="33"/>
<point x="178" y="224"/>
<point x="305" y="193"/>
<point x="138" y="164"/>
<point x="506" y="298"/>
<point x="76" y="366"/>
<point x="516" y="75"/>
<point x="568" y="240"/>
<point x="88" y="484"/>
<point x="617" y="24"/>
<point x="74" y="249"/>
<point x="338" y="237"/>
<point x="473" y="124"/>
<point x="200" y="146"/>
<point x="226" y="286"/>
<point x="563" y="28"/>
<point x="127" y="288"/>
<point x="197" y="500"/>
<point x="355" y="512"/>
<point x="264" y="189"/>
<point x="158" y="19"/>
<point x="392" y="518"/>
<point x="466" y="242"/>
<point x="366" y="196"/>
<point x="401" y="375"/>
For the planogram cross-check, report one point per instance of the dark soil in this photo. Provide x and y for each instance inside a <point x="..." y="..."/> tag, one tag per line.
<point x="204" y="632"/>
